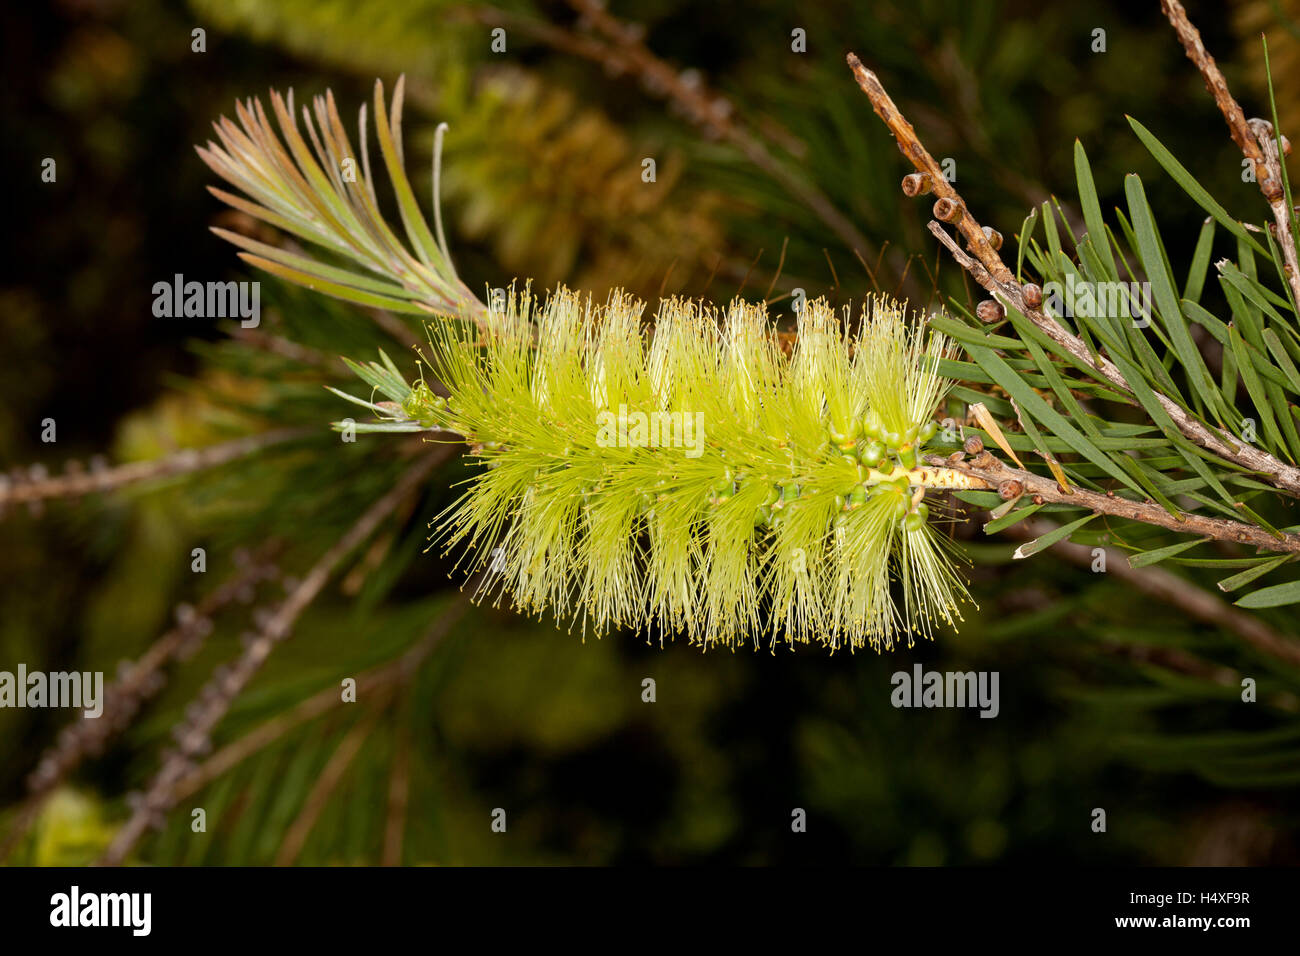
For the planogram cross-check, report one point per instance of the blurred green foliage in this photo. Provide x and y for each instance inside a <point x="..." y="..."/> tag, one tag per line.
<point x="543" y="181"/>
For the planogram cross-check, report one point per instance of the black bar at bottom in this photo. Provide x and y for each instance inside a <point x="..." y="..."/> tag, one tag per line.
<point x="496" y="906"/>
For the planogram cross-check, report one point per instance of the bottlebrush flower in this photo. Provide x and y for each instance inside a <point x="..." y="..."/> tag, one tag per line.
<point x="698" y="477"/>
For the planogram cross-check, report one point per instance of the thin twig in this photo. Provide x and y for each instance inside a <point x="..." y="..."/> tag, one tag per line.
<point x="136" y="683"/>
<point x="265" y="734"/>
<point x="711" y="113"/>
<point x="193" y="735"/>
<point x="1013" y="482"/>
<point x="1255" y="138"/>
<point x="182" y="462"/>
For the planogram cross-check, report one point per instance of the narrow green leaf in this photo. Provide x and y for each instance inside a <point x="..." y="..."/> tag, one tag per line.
<point x="388" y="364"/>
<point x="1250" y="574"/>
<point x="1031" y="402"/>
<point x="1257" y="395"/>
<point x="960" y="332"/>
<point x="1283" y="360"/>
<point x="1189" y="184"/>
<point x="1009" y="519"/>
<point x="386" y="427"/>
<point x="1091" y="207"/>
<point x="1026" y="235"/>
<point x="354" y="400"/>
<point x="1159" y="554"/>
<point x="314" y="267"/>
<point x="1030" y="548"/>
<point x="1275" y="596"/>
<point x="980" y="499"/>
<point x="1050" y="233"/>
<point x="317" y="284"/>
<point x="377" y="378"/>
<point x="1162" y="287"/>
<point x="1200" y="266"/>
<point x="388" y="132"/>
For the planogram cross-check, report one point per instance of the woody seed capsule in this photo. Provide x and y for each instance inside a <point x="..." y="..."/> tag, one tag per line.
<point x="1011" y="488"/>
<point x="916" y="184"/>
<point x="989" y="311"/>
<point x="946" y="210"/>
<point x="1033" y="295"/>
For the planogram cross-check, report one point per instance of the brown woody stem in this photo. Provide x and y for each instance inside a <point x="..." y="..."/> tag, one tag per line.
<point x="997" y="475"/>
<point x="1255" y="138"/>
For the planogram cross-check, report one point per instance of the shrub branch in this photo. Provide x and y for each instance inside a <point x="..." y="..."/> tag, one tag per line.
<point x="988" y="269"/>
<point x="1255" y="138"/>
<point x="1012" y="482"/>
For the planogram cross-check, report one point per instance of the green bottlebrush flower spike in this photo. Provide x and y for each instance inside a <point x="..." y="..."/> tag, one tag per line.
<point x="699" y="478"/>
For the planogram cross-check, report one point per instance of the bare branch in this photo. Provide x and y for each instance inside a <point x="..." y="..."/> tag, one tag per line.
<point x="265" y="734"/>
<point x="81" y="482"/>
<point x="136" y="683"/>
<point x="1014" y="482"/>
<point x="193" y="735"/>
<point x="1255" y="138"/>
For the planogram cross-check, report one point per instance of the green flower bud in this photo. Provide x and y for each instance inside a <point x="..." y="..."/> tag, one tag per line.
<point x="872" y="453"/>
<point x="422" y="405"/>
<point x="845" y="436"/>
<point x="871" y="425"/>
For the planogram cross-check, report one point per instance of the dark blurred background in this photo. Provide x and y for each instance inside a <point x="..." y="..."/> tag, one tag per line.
<point x="542" y="181"/>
